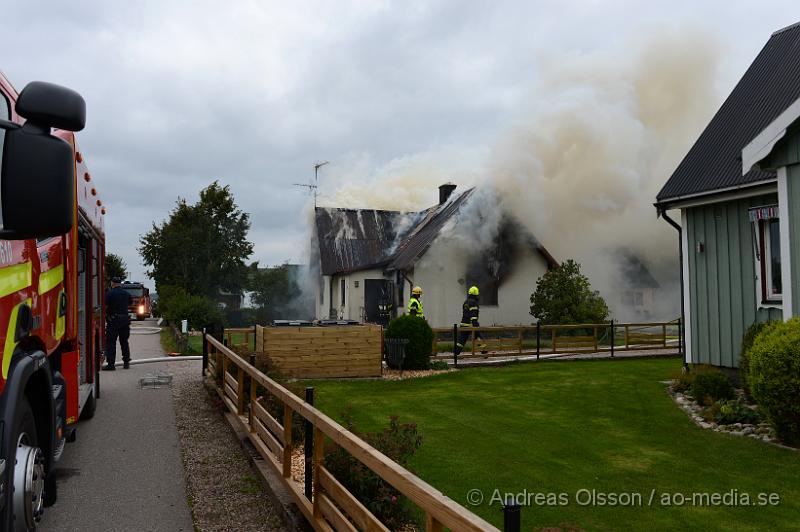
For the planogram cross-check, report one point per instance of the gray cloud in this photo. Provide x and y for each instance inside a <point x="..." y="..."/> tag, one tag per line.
<point x="252" y="93"/>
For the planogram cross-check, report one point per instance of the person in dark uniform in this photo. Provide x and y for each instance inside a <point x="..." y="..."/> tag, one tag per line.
<point x="470" y="312"/>
<point x="118" y="325"/>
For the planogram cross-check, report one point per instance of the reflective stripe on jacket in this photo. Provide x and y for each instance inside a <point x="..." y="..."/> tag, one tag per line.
<point x="470" y="311"/>
<point x="415" y="307"/>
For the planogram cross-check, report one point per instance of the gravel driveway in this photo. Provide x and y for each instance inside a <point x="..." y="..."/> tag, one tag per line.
<point x="157" y="459"/>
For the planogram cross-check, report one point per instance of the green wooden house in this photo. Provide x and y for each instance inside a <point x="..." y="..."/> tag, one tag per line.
<point x="738" y="193"/>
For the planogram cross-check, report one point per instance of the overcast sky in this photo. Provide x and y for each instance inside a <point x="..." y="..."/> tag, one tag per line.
<point x="253" y="93"/>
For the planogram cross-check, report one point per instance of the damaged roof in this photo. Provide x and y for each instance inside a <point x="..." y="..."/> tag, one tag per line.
<point x="770" y="85"/>
<point x="352" y="240"/>
<point x="422" y="236"/>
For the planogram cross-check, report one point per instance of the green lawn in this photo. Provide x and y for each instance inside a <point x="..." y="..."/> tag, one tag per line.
<point x="561" y="427"/>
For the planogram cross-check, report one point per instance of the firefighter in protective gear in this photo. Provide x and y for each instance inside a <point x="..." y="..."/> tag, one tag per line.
<point x="415" y="303"/>
<point x="118" y="325"/>
<point x="469" y="318"/>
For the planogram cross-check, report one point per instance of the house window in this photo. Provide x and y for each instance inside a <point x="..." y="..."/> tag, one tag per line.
<point x="771" y="264"/>
<point x="488" y="288"/>
<point x="342" y="291"/>
<point x="767" y="239"/>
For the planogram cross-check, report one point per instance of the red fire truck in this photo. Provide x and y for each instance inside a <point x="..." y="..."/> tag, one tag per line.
<point x="51" y="303"/>
<point x="140" y="300"/>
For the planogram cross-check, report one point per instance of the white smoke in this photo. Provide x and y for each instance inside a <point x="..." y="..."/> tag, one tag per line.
<point x="582" y="166"/>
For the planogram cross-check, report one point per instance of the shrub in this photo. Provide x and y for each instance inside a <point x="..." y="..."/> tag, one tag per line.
<point x="399" y="442"/>
<point x="737" y="411"/>
<point x="774" y="377"/>
<point x="439" y="365"/>
<point x="420" y="340"/>
<point x="744" y="358"/>
<point x="711" y="386"/>
<point x="563" y="295"/>
<point x="682" y="380"/>
<point x="175" y="304"/>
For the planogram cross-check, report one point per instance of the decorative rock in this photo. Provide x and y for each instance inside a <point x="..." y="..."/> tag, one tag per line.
<point x="749" y="430"/>
<point x="705" y="425"/>
<point x="737" y="433"/>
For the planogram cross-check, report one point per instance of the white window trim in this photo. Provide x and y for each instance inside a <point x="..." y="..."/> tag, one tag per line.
<point x="687" y="305"/>
<point x="786" y="257"/>
<point x="762" y="267"/>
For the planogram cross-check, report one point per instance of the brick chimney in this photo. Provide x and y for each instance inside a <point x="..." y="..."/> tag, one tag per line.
<point x="445" y="191"/>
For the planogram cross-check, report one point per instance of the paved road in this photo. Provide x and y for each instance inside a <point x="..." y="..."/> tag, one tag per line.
<point x="124" y="472"/>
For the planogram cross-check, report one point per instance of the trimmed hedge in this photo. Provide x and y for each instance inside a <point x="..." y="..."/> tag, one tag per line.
<point x="420" y="340"/>
<point x="744" y="358"/>
<point x="774" y="377"/>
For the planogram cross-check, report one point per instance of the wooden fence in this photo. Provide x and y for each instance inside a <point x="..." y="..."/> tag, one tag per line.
<point x="331" y="505"/>
<point x="562" y="339"/>
<point x="321" y="352"/>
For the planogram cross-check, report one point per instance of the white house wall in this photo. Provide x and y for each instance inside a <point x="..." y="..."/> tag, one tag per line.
<point x="441" y="273"/>
<point x="353" y="308"/>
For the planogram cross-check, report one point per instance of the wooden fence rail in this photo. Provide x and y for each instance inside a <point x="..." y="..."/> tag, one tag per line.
<point x="332" y="506"/>
<point x="563" y="339"/>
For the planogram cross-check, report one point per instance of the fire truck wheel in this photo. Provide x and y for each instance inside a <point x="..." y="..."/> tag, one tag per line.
<point x="89" y="407"/>
<point x="28" y="486"/>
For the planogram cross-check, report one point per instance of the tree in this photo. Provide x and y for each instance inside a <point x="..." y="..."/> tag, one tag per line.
<point x="115" y="267"/>
<point x="277" y="295"/>
<point x="564" y="296"/>
<point x="201" y="248"/>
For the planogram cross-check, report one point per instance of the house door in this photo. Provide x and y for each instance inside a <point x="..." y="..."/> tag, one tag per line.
<point x="378" y="301"/>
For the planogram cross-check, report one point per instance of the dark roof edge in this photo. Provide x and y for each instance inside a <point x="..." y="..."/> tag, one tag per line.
<point x="674" y="203"/>
<point x="787" y="28"/>
<point x="551" y="261"/>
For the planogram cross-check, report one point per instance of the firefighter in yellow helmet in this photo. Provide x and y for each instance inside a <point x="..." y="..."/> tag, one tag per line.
<point x="469" y="318"/>
<point x="415" y="303"/>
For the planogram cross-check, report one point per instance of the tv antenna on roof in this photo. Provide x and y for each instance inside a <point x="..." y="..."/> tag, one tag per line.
<point x="313" y="187"/>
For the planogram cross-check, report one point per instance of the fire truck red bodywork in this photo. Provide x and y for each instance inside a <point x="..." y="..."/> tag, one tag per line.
<point x="60" y="279"/>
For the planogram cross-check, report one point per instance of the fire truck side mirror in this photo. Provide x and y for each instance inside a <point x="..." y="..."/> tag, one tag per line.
<point x="37" y="191"/>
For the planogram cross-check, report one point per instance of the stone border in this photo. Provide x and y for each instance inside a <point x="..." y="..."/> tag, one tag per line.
<point x="762" y="431"/>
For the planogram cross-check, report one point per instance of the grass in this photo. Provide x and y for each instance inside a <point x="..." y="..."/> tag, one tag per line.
<point x="562" y="427"/>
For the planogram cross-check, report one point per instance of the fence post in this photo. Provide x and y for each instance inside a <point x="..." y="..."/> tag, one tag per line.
<point x="664" y="331"/>
<point x="319" y="456"/>
<point x="455" y="344"/>
<point x="512" y="521"/>
<point x="205" y="353"/>
<point x="538" y="338"/>
<point x="594" y="333"/>
<point x="626" y="336"/>
<point x="612" y="338"/>
<point x="287" y="441"/>
<point x="255" y="335"/>
<point x="239" y="391"/>
<point x="519" y="339"/>
<point x="309" y="446"/>
<point x="253" y="401"/>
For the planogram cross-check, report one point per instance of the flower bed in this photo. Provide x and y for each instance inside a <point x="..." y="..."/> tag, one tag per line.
<point x="706" y="416"/>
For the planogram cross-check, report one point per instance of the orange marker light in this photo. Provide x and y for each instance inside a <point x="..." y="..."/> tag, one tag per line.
<point x="94" y="192"/>
<point x="78" y="157"/>
<point x="87" y="177"/>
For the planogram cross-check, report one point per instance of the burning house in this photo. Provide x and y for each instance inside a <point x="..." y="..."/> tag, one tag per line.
<point x="370" y="259"/>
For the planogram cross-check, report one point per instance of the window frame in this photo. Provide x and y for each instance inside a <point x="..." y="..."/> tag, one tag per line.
<point x="765" y="221"/>
<point x="765" y="229"/>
